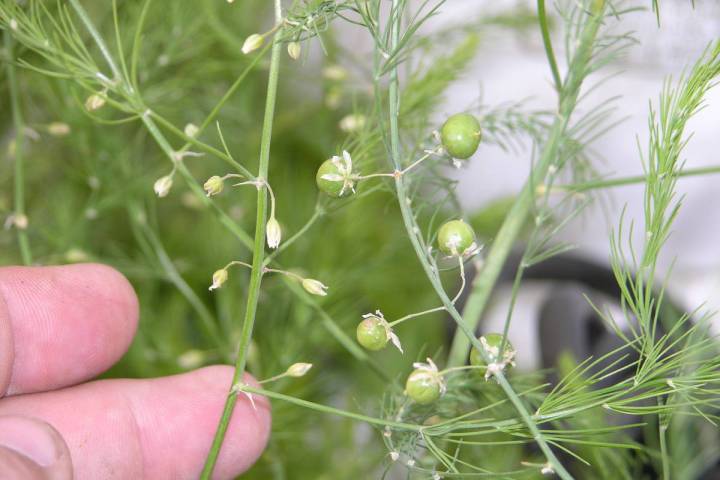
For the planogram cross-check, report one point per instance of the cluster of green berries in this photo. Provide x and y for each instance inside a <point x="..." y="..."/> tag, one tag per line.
<point x="460" y="137"/>
<point x="426" y="384"/>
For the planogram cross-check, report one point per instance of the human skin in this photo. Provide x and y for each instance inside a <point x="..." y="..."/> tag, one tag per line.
<point x="62" y="326"/>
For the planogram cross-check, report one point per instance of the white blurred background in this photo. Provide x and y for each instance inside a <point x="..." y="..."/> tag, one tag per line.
<point x="515" y="68"/>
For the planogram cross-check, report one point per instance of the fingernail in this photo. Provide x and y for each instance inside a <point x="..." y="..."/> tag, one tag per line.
<point x="32" y="438"/>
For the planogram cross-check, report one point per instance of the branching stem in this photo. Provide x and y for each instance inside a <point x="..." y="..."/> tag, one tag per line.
<point x="258" y="253"/>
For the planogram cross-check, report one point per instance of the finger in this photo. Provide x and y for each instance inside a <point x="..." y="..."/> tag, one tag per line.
<point x="31" y="449"/>
<point x="62" y="325"/>
<point x="148" y="429"/>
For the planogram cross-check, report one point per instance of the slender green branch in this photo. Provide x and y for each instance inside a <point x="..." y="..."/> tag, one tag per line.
<point x="333" y="411"/>
<point x="637" y="179"/>
<point x="411" y="228"/>
<point x="19" y="215"/>
<point x="258" y="252"/>
<point x="547" y="43"/>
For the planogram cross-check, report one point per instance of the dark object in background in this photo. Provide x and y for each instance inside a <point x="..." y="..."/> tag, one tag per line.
<point x="567" y="322"/>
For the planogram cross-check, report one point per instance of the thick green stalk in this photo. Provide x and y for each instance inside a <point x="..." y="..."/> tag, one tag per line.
<point x="515" y="219"/>
<point x="411" y="227"/>
<point x="258" y="253"/>
<point x="19" y="174"/>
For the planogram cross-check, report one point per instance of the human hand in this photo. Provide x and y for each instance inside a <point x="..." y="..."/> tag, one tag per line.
<point x="61" y="326"/>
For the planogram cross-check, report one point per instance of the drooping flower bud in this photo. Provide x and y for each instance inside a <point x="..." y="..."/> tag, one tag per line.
<point x="252" y="43"/>
<point x="294" y="49"/>
<point x="273" y="233"/>
<point x="218" y="278"/>
<point x="214" y="185"/>
<point x="95" y="102"/>
<point x="163" y="185"/>
<point x="314" y="286"/>
<point x="298" y="369"/>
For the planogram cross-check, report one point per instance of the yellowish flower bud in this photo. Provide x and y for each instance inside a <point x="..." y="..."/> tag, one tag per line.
<point x="335" y="73"/>
<point x="58" y="129"/>
<point x="214" y="185"/>
<point x="298" y="369"/>
<point x="191" y="130"/>
<point x="218" y="278"/>
<point x="352" y="123"/>
<point x="252" y="43"/>
<point x="294" y="49"/>
<point x="95" y="102"/>
<point x="163" y="185"/>
<point x="314" y="286"/>
<point x="273" y="233"/>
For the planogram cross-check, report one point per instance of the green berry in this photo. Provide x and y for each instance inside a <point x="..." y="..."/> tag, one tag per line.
<point x="492" y="342"/>
<point x="460" y="135"/>
<point x="338" y="187"/>
<point x="423" y="386"/>
<point x="371" y="334"/>
<point x="454" y="237"/>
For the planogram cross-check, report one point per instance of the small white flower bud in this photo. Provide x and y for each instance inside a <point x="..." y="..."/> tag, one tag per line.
<point x="273" y="233"/>
<point x="13" y="24"/>
<point x="163" y="185"/>
<point x="17" y="220"/>
<point x="335" y="73"/>
<point x="298" y="369"/>
<point x="218" y="278"/>
<point x="352" y="123"/>
<point x="94" y="102"/>
<point x="58" y="129"/>
<point x="394" y="456"/>
<point x="252" y="43"/>
<point x="191" y="359"/>
<point x="294" y="49"/>
<point x="214" y="185"/>
<point x="191" y="130"/>
<point x="314" y="286"/>
<point x="75" y="255"/>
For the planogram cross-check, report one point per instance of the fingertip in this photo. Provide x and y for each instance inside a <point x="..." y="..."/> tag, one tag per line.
<point x="68" y="323"/>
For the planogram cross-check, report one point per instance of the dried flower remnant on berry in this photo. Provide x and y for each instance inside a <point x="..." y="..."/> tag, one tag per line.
<point x="456" y="238"/>
<point x="335" y="176"/>
<point x="374" y="332"/>
<point x="491" y="344"/>
<point x="425" y="384"/>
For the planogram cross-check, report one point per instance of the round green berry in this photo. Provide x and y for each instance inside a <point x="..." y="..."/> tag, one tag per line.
<point x="335" y="188"/>
<point x="454" y="237"/>
<point x="492" y="342"/>
<point x="371" y="334"/>
<point x="460" y="135"/>
<point x="423" y="386"/>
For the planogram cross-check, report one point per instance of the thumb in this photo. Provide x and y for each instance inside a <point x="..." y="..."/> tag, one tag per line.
<point x="31" y="449"/>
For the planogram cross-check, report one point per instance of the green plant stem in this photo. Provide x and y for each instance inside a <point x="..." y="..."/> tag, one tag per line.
<point x="258" y="252"/>
<point x="547" y="43"/>
<point x="411" y="228"/>
<point x="637" y="179"/>
<point x="19" y="174"/>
